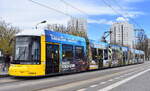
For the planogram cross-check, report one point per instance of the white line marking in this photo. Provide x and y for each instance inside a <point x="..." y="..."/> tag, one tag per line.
<point x="103" y="82"/>
<point x="123" y="81"/>
<point x="83" y="89"/>
<point x="110" y="80"/>
<point x="93" y="86"/>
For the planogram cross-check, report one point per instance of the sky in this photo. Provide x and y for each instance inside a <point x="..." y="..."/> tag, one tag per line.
<point x="26" y="14"/>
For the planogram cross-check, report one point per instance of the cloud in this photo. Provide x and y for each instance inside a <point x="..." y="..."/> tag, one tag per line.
<point x="102" y="21"/>
<point x="134" y="14"/>
<point x="122" y="19"/>
<point x="26" y="14"/>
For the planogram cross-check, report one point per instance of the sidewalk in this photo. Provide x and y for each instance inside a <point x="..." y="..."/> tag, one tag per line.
<point x="3" y="73"/>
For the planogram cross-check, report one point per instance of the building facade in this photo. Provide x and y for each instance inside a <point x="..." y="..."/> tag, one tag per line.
<point x="122" y="33"/>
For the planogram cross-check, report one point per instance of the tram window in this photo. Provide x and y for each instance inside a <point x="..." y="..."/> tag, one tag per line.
<point x="79" y="52"/>
<point x="67" y="52"/>
<point x="114" y="54"/>
<point x="105" y="54"/>
<point x="136" y="55"/>
<point x="124" y="55"/>
<point x="100" y="53"/>
<point x="94" y="53"/>
<point x="27" y="50"/>
<point x="35" y="54"/>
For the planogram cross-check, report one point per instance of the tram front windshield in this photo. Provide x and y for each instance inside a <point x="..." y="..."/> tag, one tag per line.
<point x="27" y="50"/>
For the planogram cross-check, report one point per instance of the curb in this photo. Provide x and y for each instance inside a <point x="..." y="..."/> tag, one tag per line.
<point x="3" y="75"/>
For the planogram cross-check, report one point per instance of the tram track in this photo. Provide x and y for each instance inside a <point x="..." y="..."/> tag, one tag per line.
<point x="68" y="85"/>
<point x="61" y="78"/>
<point x="10" y="79"/>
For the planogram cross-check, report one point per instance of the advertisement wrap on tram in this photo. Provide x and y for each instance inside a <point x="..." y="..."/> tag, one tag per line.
<point x="72" y="51"/>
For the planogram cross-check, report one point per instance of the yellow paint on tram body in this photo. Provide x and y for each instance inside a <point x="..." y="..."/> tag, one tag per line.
<point x="33" y="69"/>
<point x="43" y="53"/>
<point x="26" y="70"/>
<point x="43" y="49"/>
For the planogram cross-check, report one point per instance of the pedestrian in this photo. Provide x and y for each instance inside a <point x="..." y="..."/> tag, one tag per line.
<point x="6" y="62"/>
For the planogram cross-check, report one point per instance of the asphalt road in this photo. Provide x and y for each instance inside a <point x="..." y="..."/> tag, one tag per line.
<point x="127" y="78"/>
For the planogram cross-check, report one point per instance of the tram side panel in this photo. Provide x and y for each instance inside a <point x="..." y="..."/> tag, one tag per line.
<point x="99" y="55"/>
<point x="72" y="53"/>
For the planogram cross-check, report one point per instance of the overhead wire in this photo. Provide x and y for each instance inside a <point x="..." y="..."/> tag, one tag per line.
<point x="45" y="6"/>
<point x="126" y="13"/>
<point x="106" y="3"/>
<point x="72" y="6"/>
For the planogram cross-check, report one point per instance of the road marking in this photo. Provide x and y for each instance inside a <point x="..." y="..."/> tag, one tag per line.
<point x="110" y="80"/>
<point x="83" y="89"/>
<point x="103" y="82"/>
<point x="79" y="83"/>
<point x="65" y="86"/>
<point x="123" y="81"/>
<point x="92" y="86"/>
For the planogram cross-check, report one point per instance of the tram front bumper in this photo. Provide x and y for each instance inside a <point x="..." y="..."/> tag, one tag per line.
<point x="26" y="70"/>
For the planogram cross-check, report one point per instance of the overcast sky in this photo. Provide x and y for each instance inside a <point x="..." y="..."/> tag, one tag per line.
<point x="25" y="14"/>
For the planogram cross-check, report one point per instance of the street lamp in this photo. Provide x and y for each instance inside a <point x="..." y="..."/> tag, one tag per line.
<point x="40" y="23"/>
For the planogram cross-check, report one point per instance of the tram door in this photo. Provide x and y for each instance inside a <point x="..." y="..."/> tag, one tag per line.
<point x="52" y="58"/>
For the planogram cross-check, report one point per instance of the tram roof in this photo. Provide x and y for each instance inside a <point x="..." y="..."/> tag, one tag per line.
<point x="32" y="32"/>
<point x="136" y="51"/>
<point x="115" y="46"/>
<point x="39" y="32"/>
<point x="141" y="52"/>
<point x="125" y="48"/>
<point x="57" y="37"/>
<point x="98" y="44"/>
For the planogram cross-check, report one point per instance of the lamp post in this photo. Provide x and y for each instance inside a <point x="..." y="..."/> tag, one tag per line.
<point x="40" y="23"/>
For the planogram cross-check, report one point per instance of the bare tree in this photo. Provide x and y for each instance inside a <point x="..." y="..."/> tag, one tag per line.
<point x="7" y="33"/>
<point x="142" y="41"/>
<point x="57" y="28"/>
<point x="76" y="26"/>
